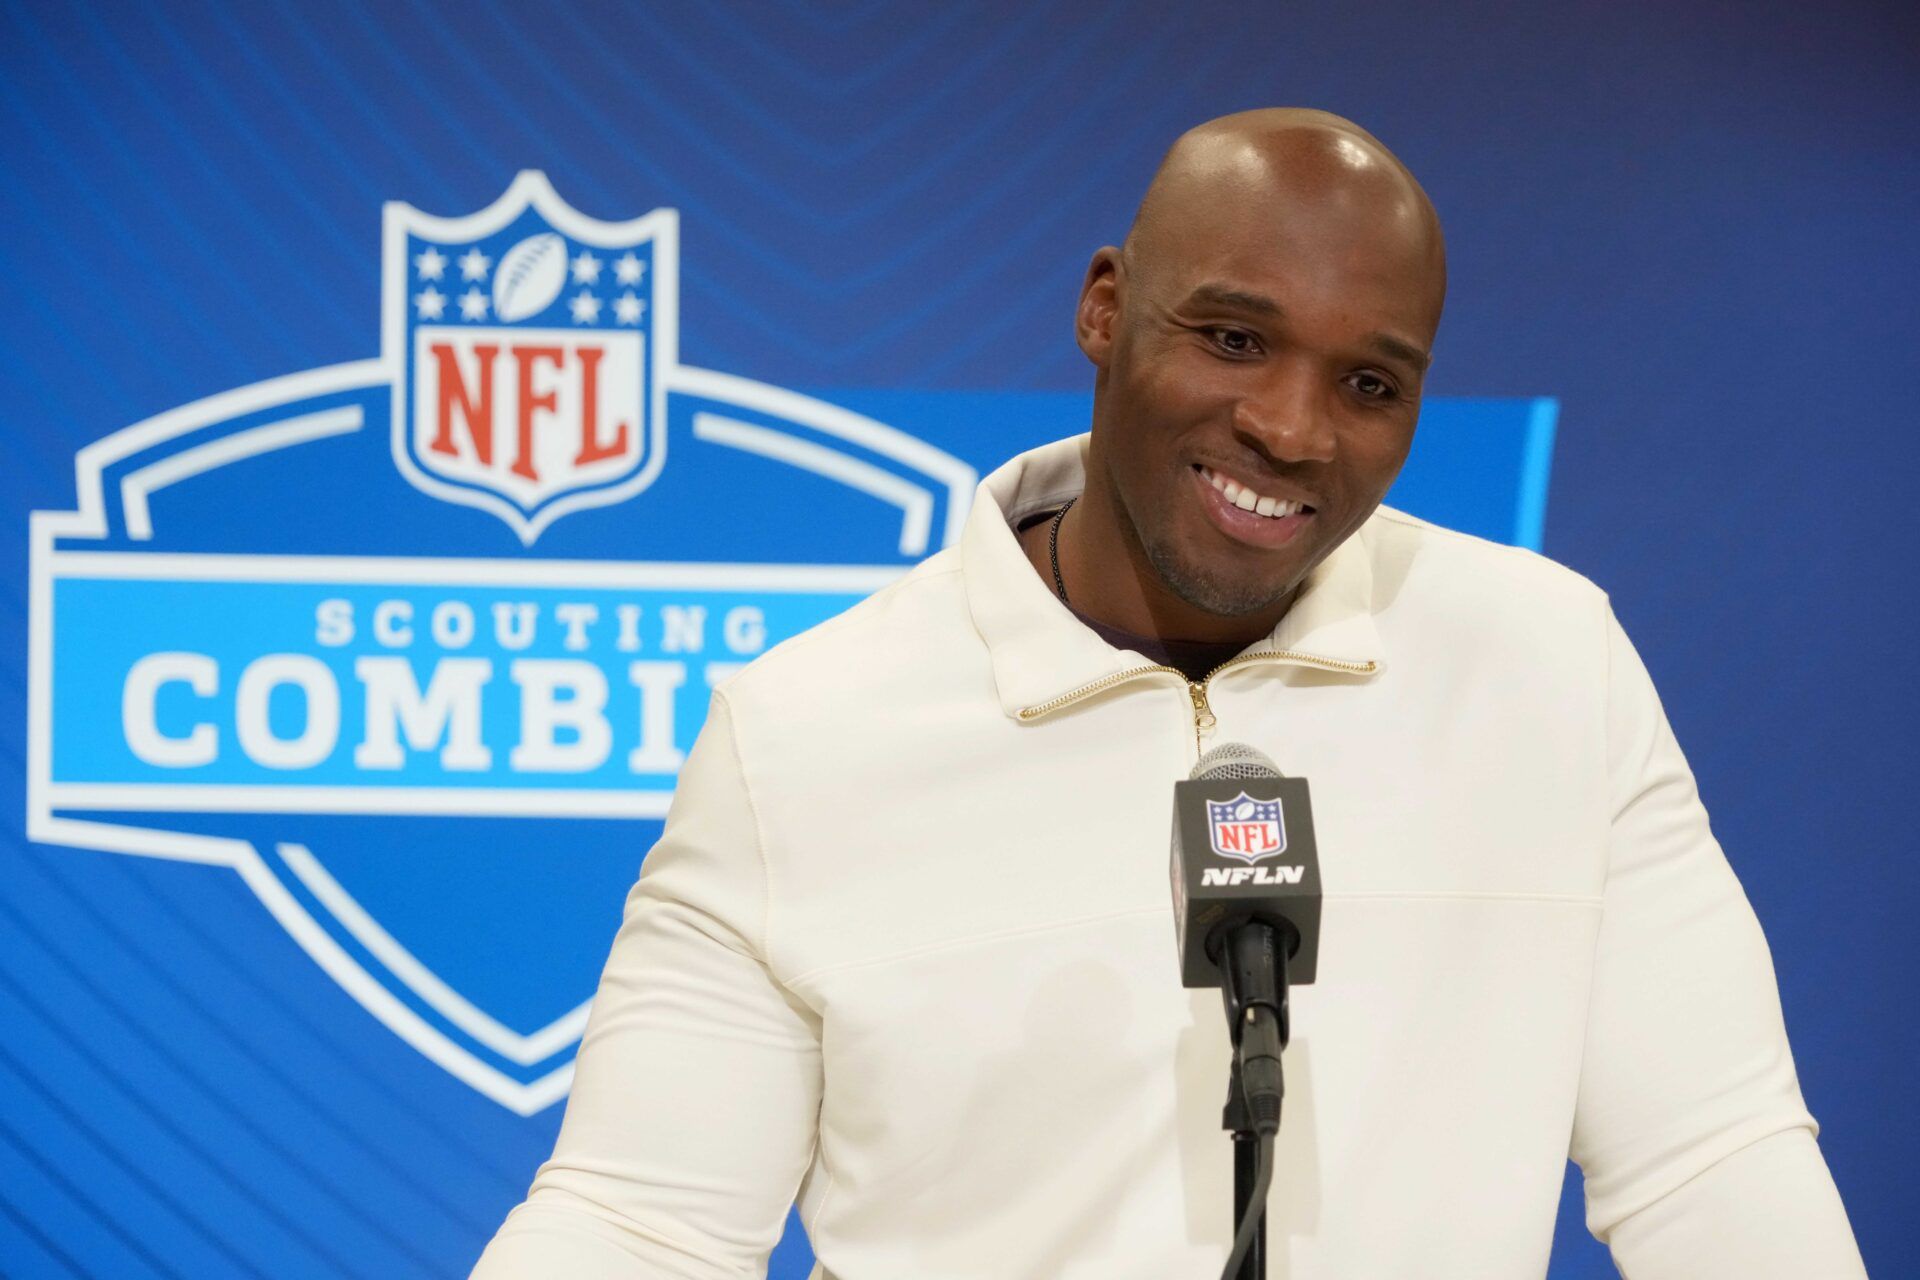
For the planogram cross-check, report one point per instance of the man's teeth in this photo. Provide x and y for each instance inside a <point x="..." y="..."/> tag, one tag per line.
<point x="1248" y="500"/>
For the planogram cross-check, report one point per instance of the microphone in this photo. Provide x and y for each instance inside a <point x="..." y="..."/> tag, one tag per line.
<point x="1243" y="849"/>
<point x="1246" y="895"/>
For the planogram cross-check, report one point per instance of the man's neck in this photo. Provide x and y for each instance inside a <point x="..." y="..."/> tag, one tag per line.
<point x="1110" y="585"/>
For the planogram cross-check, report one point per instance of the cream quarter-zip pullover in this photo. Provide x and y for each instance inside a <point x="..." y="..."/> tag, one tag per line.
<point x="906" y="949"/>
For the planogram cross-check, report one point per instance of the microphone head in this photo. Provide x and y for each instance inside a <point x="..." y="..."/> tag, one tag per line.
<point x="1231" y="761"/>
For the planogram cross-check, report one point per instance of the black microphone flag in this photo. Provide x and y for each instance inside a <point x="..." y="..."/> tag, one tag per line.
<point x="1243" y="849"/>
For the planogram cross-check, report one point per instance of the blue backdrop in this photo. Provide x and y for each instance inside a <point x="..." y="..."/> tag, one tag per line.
<point x="1683" y="271"/>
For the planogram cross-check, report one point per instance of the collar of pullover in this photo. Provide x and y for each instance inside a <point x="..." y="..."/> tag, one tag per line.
<point x="1041" y="652"/>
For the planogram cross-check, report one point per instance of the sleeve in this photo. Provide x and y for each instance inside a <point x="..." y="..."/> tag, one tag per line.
<point x="1698" y="1152"/>
<point x="697" y="1088"/>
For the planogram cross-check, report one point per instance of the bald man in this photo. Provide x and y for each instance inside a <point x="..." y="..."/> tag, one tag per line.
<point x="903" y="950"/>
<point x="1267" y="326"/>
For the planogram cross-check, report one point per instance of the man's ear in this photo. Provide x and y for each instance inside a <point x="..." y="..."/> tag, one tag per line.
<point x="1099" y="303"/>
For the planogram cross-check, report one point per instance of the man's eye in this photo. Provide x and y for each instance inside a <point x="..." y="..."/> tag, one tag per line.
<point x="1234" y="341"/>
<point x="1372" y="386"/>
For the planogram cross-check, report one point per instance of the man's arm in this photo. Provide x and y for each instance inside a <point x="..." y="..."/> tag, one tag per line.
<point x="697" y="1091"/>
<point x="1698" y="1151"/>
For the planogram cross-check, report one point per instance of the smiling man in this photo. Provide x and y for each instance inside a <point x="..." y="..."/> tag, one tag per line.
<point x="905" y="947"/>
<point x="1260" y="341"/>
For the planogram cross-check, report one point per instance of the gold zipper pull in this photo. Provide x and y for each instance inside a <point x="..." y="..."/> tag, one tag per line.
<point x="1203" y="718"/>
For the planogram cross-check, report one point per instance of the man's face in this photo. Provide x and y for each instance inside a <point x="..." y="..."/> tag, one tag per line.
<point x="1259" y="357"/>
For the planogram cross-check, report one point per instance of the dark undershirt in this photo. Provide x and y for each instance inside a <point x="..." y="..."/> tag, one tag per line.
<point x="1193" y="658"/>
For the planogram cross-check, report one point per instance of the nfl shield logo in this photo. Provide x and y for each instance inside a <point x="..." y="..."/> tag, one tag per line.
<point x="1246" y="828"/>
<point x="528" y="350"/>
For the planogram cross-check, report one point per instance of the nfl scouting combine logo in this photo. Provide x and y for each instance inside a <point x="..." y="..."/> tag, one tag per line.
<point x="417" y="645"/>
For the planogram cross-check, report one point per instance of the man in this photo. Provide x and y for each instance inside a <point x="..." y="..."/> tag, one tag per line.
<point x="905" y="946"/>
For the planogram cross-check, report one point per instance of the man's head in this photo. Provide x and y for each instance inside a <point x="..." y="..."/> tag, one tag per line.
<point x="1266" y="326"/>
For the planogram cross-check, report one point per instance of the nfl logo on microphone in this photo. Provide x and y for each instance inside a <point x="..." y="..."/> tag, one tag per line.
<point x="1246" y="828"/>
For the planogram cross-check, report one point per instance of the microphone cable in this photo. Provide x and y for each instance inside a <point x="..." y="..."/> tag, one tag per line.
<point x="1256" y="1206"/>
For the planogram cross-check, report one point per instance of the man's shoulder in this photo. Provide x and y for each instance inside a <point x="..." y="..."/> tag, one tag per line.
<point x="916" y="624"/>
<point x="1435" y="576"/>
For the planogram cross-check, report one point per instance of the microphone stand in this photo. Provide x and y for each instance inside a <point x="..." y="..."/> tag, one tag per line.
<point x="1246" y="1153"/>
<point x="1253" y="972"/>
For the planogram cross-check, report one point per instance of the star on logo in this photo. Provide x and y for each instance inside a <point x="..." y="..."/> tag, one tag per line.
<point x="586" y="268"/>
<point x="431" y="303"/>
<point x="430" y="263"/>
<point x="586" y="307"/>
<point x="628" y="269"/>
<point x="474" y="264"/>
<point x="473" y="304"/>
<point x="627" y="308"/>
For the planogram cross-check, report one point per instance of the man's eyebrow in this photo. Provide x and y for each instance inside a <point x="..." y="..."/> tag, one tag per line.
<point x="1222" y="296"/>
<point x="1400" y="350"/>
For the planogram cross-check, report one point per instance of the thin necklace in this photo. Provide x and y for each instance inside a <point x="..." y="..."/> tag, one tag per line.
<point x="1053" y="550"/>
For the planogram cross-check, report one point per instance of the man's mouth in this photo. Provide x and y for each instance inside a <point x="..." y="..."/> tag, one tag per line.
<point x="1249" y="517"/>
<point x="1248" y="499"/>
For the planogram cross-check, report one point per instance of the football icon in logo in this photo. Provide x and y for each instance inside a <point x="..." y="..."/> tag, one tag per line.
<point x="530" y="277"/>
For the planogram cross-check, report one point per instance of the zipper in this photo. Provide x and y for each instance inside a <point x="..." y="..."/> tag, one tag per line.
<point x="1203" y="718"/>
<point x="1086" y="691"/>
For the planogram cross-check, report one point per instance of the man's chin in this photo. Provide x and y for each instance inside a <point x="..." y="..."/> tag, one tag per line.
<point x="1209" y="591"/>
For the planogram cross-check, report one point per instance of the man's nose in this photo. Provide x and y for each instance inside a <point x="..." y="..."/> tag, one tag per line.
<point x="1288" y="417"/>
